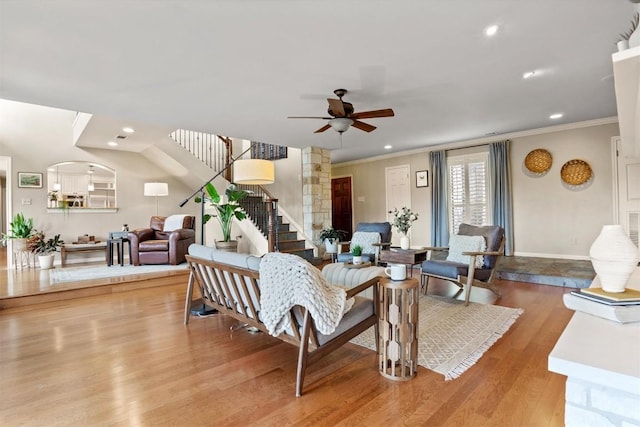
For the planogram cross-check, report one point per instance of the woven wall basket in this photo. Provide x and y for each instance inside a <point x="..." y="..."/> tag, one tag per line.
<point x="538" y="161"/>
<point x="575" y="172"/>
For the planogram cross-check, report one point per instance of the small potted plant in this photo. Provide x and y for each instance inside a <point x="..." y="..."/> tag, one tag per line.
<point x="331" y="237"/>
<point x="21" y="230"/>
<point x="356" y="251"/>
<point x="44" y="248"/>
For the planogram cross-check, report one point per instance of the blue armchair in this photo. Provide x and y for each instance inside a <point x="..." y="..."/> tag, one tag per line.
<point x="472" y="260"/>
<point x="372" y="236"/>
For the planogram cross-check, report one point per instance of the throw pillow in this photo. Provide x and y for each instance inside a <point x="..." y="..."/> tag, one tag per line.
<point x="459" y="244"/>
<point x="366" y="239"/>
<point x="173" y="222"/>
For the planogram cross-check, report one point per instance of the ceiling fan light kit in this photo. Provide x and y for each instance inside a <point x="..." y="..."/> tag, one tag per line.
<point x="340" y="124"/>
<point x="343" y="115"/>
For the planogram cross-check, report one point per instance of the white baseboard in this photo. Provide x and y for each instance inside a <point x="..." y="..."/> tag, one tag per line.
<point x="555" y="256"/>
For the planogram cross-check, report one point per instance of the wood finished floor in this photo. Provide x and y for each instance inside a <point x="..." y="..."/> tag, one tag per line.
<point x="126" y="359"/>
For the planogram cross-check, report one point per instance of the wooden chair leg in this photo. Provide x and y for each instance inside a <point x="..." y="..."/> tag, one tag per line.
<point x="470" y="274"/>
<point x="303" y="353"/>
<point x="187" y="301"/>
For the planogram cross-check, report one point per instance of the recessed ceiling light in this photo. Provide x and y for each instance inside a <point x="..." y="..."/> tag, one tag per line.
<point x="491" y="30"/>
<point x="556" y="116"/>
<point x="388" y="147"/>
<point x="112" y="144"/>
<point x="128" y="129"/>
<point x="528" y="74"/>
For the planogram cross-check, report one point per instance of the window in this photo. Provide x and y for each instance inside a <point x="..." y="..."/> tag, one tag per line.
<point x="468" y="190"/>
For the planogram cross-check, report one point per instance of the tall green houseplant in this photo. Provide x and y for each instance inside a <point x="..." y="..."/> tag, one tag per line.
<point x="226" y="212"/>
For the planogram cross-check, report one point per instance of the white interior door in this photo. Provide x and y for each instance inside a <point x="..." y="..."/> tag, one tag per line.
<point x="628" y="194"/>
<point x="398" y="188"/>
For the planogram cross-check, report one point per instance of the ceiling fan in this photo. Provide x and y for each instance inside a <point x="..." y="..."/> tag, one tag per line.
<point x="343" y="115"/>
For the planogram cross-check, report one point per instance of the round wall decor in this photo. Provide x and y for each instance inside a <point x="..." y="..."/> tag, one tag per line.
<point x="538" y="161"/>
<point x="575" y="172"/>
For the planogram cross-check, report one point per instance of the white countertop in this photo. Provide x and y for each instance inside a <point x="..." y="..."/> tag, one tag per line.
<point x="600" y="351"/>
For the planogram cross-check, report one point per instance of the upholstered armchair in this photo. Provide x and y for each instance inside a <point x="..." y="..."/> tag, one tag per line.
<point x="472" y="259"/>
<point x="166" y="241"/>
<point x="372" y="236"/>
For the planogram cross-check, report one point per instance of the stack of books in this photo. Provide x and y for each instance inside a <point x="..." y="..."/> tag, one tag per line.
<point x="623" y="307"/>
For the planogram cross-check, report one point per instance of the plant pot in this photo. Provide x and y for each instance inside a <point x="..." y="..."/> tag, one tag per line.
<point x="357" y="260"/>
<point x="19" y="245"/>
<point x="331" y="246"/>
<point x="622" y="45"/>
<point x="614" y="257"/>
<point x="231" y="246"/>
<point x="46" y="261"/>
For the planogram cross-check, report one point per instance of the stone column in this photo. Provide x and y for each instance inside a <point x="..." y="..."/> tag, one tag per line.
<point x="316" y="191"/>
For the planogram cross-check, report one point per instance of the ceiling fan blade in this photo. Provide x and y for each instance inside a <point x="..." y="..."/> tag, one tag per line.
<point x="336" y="106"/>
<point x="363" y="126"/>
<point x="305" y="117"/>
<point x="323" y="128"/>
<point x="387" y="112"/>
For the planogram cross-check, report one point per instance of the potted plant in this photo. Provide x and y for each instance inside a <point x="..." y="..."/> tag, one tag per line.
<point x="44" y="248"/>
<point x="226" y="212"/>
<point x="21" y="230"/>
<point x="624" y="41"/>
<point x="53" y="199"/>
<point x="356" y="251"/>
<point x="331" y="237"/>
<point x="402" y="220"/>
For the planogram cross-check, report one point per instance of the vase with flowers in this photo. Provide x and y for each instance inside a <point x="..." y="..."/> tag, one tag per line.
<point x="402" y="220"/>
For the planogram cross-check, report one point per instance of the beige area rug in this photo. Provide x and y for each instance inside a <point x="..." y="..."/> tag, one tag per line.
<point x="61" y="275"/>
<point x="452" y="337"/>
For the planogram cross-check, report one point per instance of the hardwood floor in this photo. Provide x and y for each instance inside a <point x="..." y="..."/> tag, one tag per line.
<point x="127" y="359"/>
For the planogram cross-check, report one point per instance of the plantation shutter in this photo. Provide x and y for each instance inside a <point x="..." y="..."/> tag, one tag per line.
<point x="468" y="190"/>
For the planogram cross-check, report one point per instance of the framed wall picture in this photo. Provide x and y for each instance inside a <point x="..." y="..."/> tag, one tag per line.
<point x="29" y="180"/>
<point x="422" y="179"/>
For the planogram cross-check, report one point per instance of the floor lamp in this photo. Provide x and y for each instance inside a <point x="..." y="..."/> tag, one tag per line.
<point x="245" y="171"/>
<point x="156" y="189"/>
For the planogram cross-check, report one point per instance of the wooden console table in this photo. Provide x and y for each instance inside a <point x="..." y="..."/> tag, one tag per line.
<point x="409" y="257"/>
<point x="82" y="247"/>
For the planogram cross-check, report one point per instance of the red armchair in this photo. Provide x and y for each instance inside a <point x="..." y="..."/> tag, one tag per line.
<point x="166" y="241"/>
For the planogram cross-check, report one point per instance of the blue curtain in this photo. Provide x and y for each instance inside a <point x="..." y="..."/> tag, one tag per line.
<point x="439" y="199"/>
<point x="502" y="206"/>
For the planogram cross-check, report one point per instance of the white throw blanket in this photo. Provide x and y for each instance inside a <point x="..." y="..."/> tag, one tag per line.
<point x="287" y="280"/>
<point x="173" y="222"/>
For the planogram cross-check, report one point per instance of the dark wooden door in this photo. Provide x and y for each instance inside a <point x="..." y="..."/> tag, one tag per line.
<point x="341" y="205"/>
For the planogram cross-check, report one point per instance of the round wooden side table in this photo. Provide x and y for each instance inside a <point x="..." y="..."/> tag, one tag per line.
<point x="398" y="328"/>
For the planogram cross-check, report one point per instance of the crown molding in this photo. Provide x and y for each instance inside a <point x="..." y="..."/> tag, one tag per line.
<point x="485" y="140"/>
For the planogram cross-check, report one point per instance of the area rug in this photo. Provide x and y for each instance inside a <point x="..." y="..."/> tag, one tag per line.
<point x="61" y="275"/>
<point x="452" y="337"/>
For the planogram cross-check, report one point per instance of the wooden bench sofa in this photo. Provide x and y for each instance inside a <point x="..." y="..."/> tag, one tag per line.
<point x="230" y="283"/>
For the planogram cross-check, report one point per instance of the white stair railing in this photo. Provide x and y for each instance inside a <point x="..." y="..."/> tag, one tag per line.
<point x="208" y="148"/>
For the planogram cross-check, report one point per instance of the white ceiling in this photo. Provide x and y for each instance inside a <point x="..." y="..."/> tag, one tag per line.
<point x="239" y="68"/>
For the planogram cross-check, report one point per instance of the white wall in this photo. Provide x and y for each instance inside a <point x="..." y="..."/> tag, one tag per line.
<point x="46" y="138"/>
<point x="550" y="220"/>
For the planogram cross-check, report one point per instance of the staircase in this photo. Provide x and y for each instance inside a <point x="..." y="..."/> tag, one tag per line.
<point x="287" y="240"/>
<point x="213" y="151"/>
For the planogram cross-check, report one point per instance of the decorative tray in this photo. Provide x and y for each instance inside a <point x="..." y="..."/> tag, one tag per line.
<point x="352" y="265"/>
<point x="92" y="242"/>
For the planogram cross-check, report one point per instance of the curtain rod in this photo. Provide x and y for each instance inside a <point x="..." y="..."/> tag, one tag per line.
<point x="473" y="146"/>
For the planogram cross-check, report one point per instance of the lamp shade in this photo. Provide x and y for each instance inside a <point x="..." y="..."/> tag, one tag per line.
<point x="156" y="189"/>
<point x="253" y="171"/>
